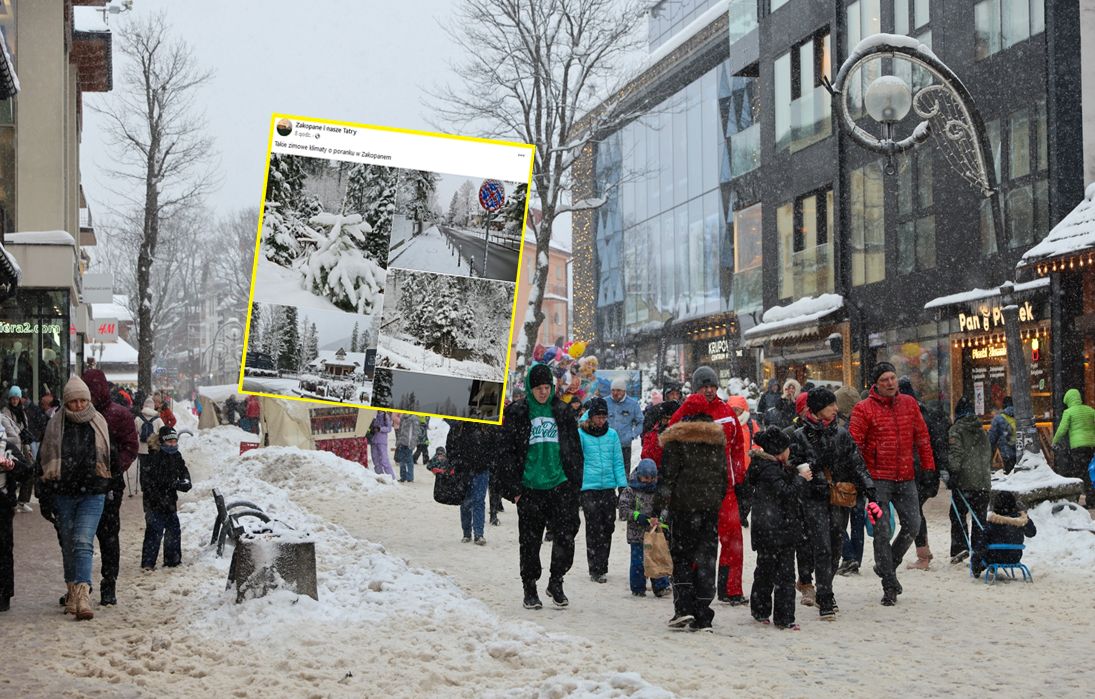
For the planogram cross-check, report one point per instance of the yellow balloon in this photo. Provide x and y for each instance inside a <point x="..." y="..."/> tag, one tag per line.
<point x="577" y="349"/>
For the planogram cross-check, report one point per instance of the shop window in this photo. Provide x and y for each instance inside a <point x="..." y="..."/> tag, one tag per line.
<point x="868" y="224"/>
<point x="1019" y="215"/>
<point x="34" y="342"/>
<point x="1001" y="24"/>
<point x="915" y="219"/>
<point x="1019" y="144"/>
<point x="805" y="247"/>
<point x="7" y="130"/>
<point x="864" y="19"/>
<point x="802" y="104"/>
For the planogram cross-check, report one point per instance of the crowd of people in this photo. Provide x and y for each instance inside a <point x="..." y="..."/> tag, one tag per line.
<point x="75" y="455"/>
<point x="810" y="476"/>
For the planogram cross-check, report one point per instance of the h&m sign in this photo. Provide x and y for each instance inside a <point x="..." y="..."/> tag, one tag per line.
<point x="991" y="317"/>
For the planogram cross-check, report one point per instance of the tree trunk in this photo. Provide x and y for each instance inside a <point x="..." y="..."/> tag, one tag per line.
<point x="146" y="337"/>
<point x="536" y="294"/>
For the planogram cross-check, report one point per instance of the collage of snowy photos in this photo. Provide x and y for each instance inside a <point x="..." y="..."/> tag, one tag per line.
<point x="383" y="287"/>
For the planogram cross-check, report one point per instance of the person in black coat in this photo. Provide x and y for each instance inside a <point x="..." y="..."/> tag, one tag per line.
<point x="690" y="494"/>
<point x="776" y="526"/>
<point x="833" y="458"/>
<point x="1009" y="524"/>
<point x="539" y="469"/>
<point x="13" y="468"/>
<point x="769" y="399"/>
<point x="470" y="447"/>
<point x="163" y="478"/>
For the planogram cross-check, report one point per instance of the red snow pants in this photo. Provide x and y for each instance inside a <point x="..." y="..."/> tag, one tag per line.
<point x="730" y="541"/>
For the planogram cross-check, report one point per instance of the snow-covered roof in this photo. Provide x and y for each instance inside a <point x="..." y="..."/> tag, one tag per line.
<point x="117" y="352"/>
<point x="88" y="19"/>
<point x="691" y="29"/>
<point x="40" y="238"/>
<point x="1075" y="232"/>
<point x="978" y="294"/>
<point x="111" y="310"/>
<point x="219" y="393"/>
<point x="328" y="358"/>
<point x="795" y="319"/>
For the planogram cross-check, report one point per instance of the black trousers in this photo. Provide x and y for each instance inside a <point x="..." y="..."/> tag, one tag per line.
<point x="824" y="526"/>
<point x="694" y="547"/>
<point x="774" y="579"/>
<point x="804" y="555"/>
<point x="627" y="459"/>
<point x="7" y="544"/>
<point x="494" y="499"/>
<point x="599" y="508"/>
<point x="979" y="503"/>
<point x="110" y="524"/>
<point x="1080" y="458"/>
<point x="558" y="509"/>
<point x="921" y="538"/>
<point x="424" y="450"/>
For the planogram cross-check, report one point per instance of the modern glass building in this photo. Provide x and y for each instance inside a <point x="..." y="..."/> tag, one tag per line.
<point x="733" y="194"/>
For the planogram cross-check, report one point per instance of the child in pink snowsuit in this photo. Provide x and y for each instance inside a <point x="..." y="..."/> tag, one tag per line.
<point x="378" y="443"/>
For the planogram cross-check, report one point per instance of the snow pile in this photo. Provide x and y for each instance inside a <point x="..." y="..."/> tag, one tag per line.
<point x="1030" y="474"/>
<point x="279" y="285"/>
<point x="1065" y="538"/>
<point x="186" y="420"/>
<point x="623" y="684"/>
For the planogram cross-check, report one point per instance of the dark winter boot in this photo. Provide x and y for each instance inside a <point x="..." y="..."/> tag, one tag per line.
<point x="889" y="597"/>
<point x="106" y="592"/>
<point x="532" y="599"/>
<point x="555" y="591"/>
<point x="720" y="585"/>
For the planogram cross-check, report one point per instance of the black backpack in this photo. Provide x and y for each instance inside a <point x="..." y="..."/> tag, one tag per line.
<point x="147" y="428"/>
<point x="450" y="487"/>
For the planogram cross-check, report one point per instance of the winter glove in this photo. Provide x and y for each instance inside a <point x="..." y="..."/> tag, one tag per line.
<point x="874" y="513"/>
<point x="639" y="517"/>
<point x="45" y="508"/>
<point x="928" y="483"/>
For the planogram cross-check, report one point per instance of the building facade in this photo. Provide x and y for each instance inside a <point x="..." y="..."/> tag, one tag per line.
<point x="44" y="323"/>
<point x="556" y="304"/>
<point x="735" y="194"/>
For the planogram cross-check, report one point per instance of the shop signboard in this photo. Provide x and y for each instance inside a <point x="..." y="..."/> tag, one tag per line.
<point x="103" y="330"/>
<point x="98" y="287"/>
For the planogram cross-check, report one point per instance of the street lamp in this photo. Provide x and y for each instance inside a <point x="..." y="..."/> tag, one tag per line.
<point x="950" y="118"/>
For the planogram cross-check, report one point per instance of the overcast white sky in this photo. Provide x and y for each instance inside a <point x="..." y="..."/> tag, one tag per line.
<point x="356" y="60"/>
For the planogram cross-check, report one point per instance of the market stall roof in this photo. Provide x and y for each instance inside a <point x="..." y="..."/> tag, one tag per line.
<point x="1074" y="234"/>
<point x="111" y="310"/>
<point x="978" y="294"/>
<point x="219" y="393"/>
<point x="797" y="319"/>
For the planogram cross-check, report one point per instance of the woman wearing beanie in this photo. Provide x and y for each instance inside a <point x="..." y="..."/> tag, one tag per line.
<point x="75" y="457"/>
<point x="836" y="477"/>
<point x="604" y="473"/>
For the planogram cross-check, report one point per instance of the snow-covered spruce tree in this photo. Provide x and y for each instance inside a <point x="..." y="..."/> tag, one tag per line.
<point x="382" y="388"/>
<point x="338" y="269"/>
<point x="311" y="343"/>
<point x="255" y="339"/>
<point x="513" y="211"/>
<point x="353" y="338"/>
<point x="289" y="358"/>
<point x="274" y="337"/>
<point x="420" y="186"/>
<point x="371" y="192"/>
<point x="286" y="210"/>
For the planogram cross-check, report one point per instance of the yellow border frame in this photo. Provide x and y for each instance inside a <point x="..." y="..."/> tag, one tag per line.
<point x="258" y="246"/>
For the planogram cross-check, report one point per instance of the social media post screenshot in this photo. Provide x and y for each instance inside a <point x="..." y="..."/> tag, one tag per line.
<point x="386" y="268"/>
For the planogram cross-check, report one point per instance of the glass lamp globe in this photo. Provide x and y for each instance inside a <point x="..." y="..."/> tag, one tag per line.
<point x="888" y="99"/>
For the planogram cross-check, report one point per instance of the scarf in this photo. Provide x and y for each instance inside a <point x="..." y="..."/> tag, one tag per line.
<point x="50" y="451"/>
<point x="169" y="450"/>
<point x="594" y="431"/>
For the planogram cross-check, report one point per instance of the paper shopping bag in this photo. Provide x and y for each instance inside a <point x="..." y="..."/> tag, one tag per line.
<point x="657" y="563"/>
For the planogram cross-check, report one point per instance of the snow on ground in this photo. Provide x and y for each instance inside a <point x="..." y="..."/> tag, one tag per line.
<point x="285" y="287"/>
<point x="1065" y="538"/>
<point x="406" y="610"/>
<point x="428" y="252"/>
<point x="1030" y="474"/>
<point x="405" y="353"/>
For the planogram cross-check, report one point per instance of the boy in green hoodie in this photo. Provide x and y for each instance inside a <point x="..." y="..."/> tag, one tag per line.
<point x="540" y="469"/>
<point x="1078" y="423"/>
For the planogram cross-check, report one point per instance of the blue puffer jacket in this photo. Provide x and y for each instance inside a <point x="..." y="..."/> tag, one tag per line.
<point x="626" y="417"/>
<point x="1002" y="434"/>
<point x="604" y="460"/>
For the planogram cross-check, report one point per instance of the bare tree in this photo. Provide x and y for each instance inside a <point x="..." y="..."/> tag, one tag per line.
<point x="543" y="72"/>
<point x="162" y="151"/>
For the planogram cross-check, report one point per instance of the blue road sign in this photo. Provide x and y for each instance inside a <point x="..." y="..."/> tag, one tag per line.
<point x="492" y="195"/>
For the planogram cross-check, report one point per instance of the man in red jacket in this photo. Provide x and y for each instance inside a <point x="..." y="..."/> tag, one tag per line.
<point x="123" y="451"/>
<point x="705" y="399"/>
<point x="886" y="427"/>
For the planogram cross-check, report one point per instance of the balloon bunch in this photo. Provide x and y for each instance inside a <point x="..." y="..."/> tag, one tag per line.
<point x="574" y="373"/>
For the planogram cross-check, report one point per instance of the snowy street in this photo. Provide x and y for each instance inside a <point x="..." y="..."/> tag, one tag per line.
<point x="501" y="260"/>
<point x="408" y="610"/>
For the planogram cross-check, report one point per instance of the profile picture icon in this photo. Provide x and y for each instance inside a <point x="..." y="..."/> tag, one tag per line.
<point x="285" y="127"/>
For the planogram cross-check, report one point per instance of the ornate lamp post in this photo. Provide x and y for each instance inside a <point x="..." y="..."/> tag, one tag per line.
<point x="950" y="118"/>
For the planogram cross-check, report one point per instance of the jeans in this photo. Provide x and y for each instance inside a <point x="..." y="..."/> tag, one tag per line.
<point x="906" y="501"/>
<point x="77" y="519"/>
<point x="471" y="510"/>
<point x="637" y="576"/>
<point x="165" y="526"/>
<point x="405" y="458"/>
<point x="853" y="545"/>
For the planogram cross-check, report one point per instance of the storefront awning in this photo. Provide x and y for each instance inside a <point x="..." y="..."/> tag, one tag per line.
<point x="981" y="294"/>
<point x="9" y="81"/>
<point x="798" y="319"/>
<point x="1073" y="236"/>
